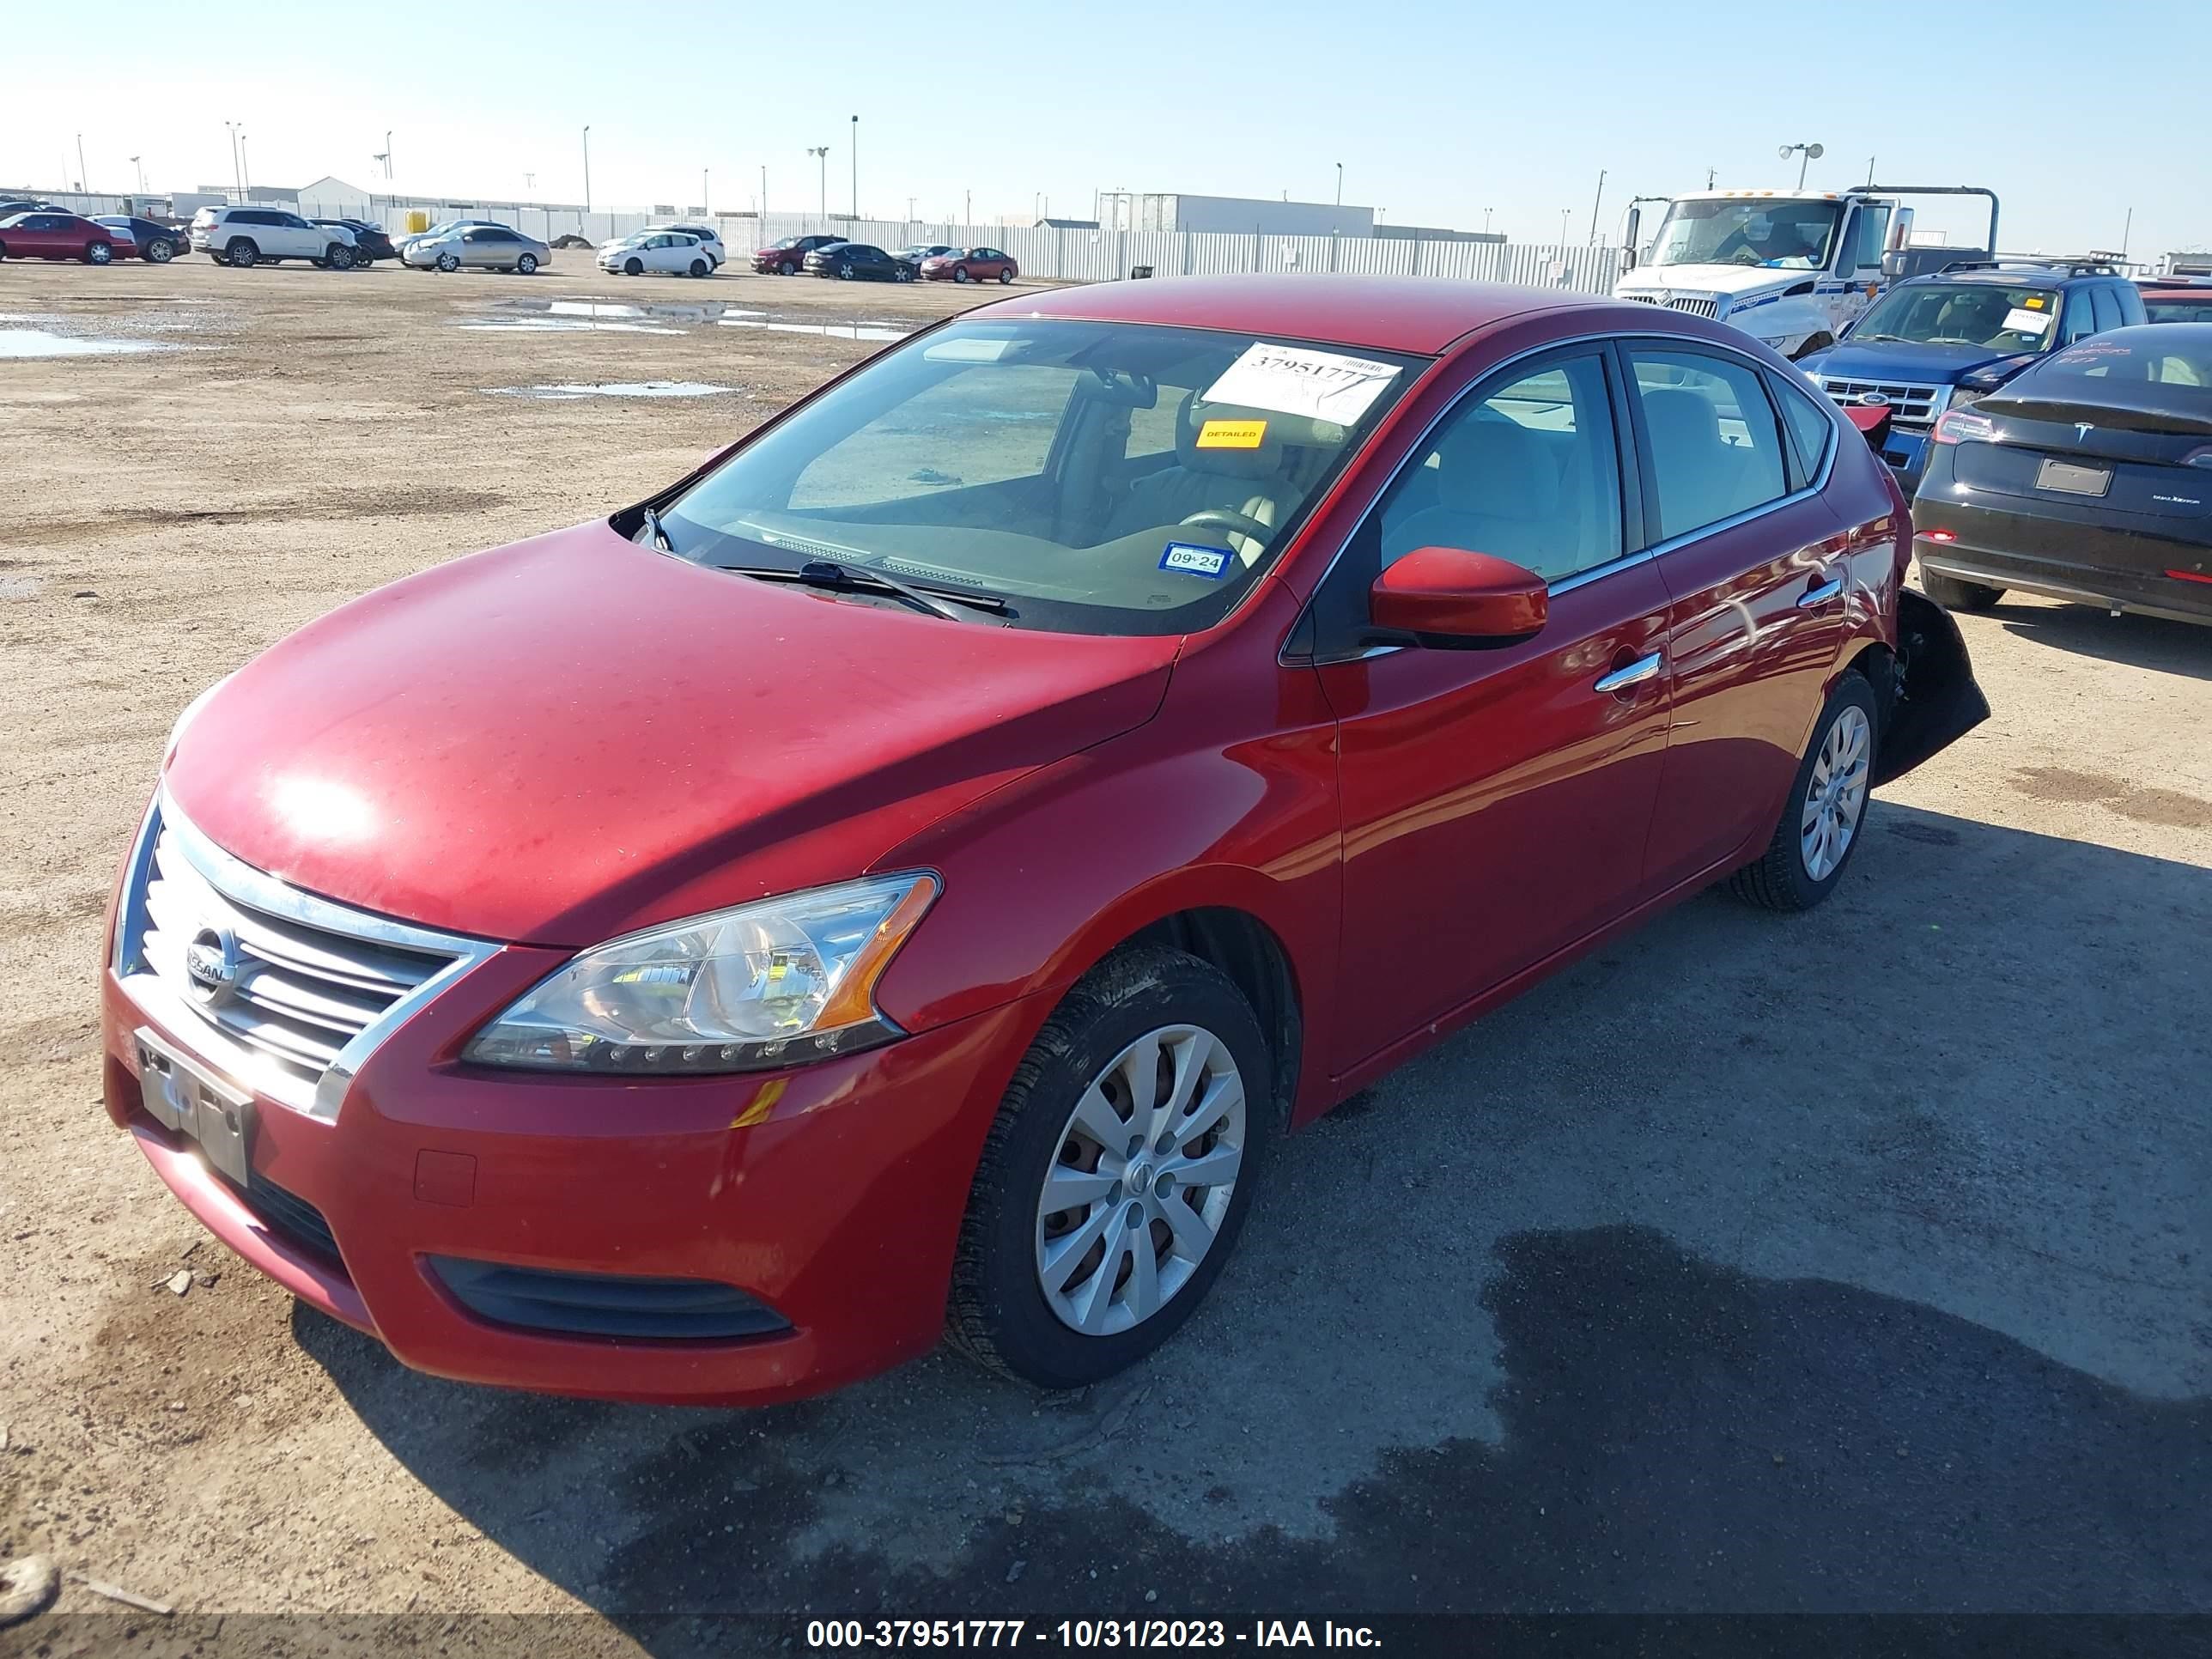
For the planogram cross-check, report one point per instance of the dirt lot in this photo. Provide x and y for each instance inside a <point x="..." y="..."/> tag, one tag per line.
<point x="1855" y="1261"/>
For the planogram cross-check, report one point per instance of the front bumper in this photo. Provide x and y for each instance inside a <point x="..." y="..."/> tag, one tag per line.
<point x="831" y="1194"/>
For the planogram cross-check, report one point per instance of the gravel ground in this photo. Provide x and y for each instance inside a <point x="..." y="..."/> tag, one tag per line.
<point x="1854" y="1261"/>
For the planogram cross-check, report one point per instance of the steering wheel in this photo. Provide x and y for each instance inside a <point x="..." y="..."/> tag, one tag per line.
<point x="1222" y="518"/>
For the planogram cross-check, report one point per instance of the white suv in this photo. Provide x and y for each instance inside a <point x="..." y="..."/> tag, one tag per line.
<point x="709" y="239"/>
<point x="256" y="235"/>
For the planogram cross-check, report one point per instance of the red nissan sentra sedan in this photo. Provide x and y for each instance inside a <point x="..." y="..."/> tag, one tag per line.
<point x="912" y="870"/>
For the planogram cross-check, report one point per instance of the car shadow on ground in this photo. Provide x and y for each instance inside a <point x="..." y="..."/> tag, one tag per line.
<point x="1849" y="1261"/>
<point x="2151" y="642"/>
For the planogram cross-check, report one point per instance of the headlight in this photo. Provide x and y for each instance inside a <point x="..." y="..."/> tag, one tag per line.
<point x="779" y="982"/>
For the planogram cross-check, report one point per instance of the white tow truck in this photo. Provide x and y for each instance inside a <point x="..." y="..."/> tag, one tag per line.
<point x="1791" y="268"/>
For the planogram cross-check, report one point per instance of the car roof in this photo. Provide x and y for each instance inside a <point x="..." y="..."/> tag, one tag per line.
<point x="1383" y="313"/>
<point x="2014" y="276"/>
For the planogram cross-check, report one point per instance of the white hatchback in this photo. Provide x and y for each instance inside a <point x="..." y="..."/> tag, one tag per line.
<point x="675" y="251"/>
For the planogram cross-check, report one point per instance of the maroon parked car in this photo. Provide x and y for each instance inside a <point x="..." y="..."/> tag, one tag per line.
<point x="788" y="256"/>
<point x="974" y="264"/>
<point x="53" y="235"/>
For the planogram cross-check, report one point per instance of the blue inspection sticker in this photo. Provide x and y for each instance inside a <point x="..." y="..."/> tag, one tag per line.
<point x="1211" y="563"/>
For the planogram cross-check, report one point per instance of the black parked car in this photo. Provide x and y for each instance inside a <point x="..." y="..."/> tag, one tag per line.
<point x="851" y="261"/>
<point x="369" y="241"/>
<point x="2089" y="477"/>
<point x="157" y="243"/>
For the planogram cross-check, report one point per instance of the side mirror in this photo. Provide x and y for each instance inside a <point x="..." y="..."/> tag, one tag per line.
<point x="1893" y="265"/>
<point x="1629" y="227"/>
<point x="1448" y="598"/>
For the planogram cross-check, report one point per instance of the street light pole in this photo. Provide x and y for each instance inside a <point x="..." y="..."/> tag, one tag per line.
<point x="137" y="162"/>
<point x="244" y="162"/>
<point x="387" y="152"/>
<point x="1486" y="212"/>
<point x="856" y="169"/>
<point x="763" y="202"/>
<point x="1807" y="154"/>
<point x="821" y="155"/>
<point x="237" y="179"/>
<point x="706" y="201"/>
<point x="1595" y="203"/>
<point x="587" y="166"/>
<point x="1340" y="184"/>
<point x="1564" y="214"/>
<point x="83" y="181"/>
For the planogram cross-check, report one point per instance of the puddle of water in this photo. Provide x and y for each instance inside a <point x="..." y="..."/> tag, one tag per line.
<point x="826" y="331"/>
<point x="44" y="343"/>
<point x="563" y="325"/>
<point x="18" y="587"/>
<point x="611" y="389"/>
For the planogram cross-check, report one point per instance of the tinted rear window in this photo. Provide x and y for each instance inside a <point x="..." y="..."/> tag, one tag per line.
<point x="2190" y="310"/>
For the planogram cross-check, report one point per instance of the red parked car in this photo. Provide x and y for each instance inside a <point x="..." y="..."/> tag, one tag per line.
<point x="975" y="264"/>
<point x="788" y="256"/>
<point x="54" y="235"/>
<point x="912" y="869"/>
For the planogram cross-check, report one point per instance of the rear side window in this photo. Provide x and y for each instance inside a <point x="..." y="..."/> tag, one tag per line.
<point x="1810" y="427"/>
<point x="2106" y="307"/>
<point x="1714" y="444"/>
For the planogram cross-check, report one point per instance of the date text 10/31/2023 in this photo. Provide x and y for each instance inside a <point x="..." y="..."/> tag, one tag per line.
<point x="825" y="1635"/>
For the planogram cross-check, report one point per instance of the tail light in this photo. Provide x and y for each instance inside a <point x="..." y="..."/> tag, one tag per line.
<point x="1937" y="535"/>
<point x="2190" y="576"/>
<point x="1959" y="426"/>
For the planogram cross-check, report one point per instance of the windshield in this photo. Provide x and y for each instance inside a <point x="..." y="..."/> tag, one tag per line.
<point x="2001" y="316"/>
<point x="1097" y="477"/>
<point x="2173" y="308"/>
<point x="1791" y="235"/>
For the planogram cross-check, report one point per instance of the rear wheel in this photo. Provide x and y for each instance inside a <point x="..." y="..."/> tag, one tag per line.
<point x="1006" y="275"/>
<point x="1117" y="1173"/>
<point x="698" y="267"/>
<point x="99" y="254"/>
<point x="3" y="250"/>
<point x="1955" y="594"/>
<point x="241" y="253"/>
<point x="902" y="273"/>
<point x="1819" y="826"/>
<point x="527" y="264"/>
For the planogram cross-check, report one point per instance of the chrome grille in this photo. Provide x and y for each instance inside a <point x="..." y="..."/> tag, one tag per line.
<point x="1642" y="299"/>
<point x="1909" y="404"/>
<point x="1698" y="305"/>
<point x="307" y="985"/>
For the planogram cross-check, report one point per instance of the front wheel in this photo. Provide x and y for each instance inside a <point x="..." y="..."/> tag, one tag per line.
<point x="158" y="253"/>
<point x="1117" y="1173"/>
<point x="526" y="265"/>
<point x="449" y="263"/>
<point x="787" y="269"/>
<point x="339" y="257"/>
<point x="99" y="254"/>
<point x="960" y="274"/>
<point x="1956" y="593"/>
<point x="633" y="267"/>
<point x="1820" y="822"/>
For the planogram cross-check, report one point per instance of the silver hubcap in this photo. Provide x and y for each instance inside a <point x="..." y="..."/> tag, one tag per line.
<point x="1147" y="1164"/>
<point x="1836" y="794"/>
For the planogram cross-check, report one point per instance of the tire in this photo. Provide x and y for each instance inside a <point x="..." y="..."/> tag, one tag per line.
<point x="241" y="253"/>
<point x="960" y="274"/>
<point x="1956" y="593"/>
<point x="787" y="269"/>
<point x="3" y="250"/>
<point x="526" y="265"/>
<point x="999" y="1313"/>
<point x="1006" y="275"/>
<point x="99" y="254"/>
<point x="160" y="252"/>
<point x="698" y="267"/>
<point x="902" y="274"/>
<point x="633" y="267"/>
<point x="844" y="273"/>
<point x="1844" y="742"/>
<point x="337" y="257"/>
<point x="449" y="263"/>
<point x="1815" y="343"/>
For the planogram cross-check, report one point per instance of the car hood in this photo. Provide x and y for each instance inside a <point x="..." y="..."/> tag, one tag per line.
<point x="1932" y="365"/>
<point x="574" y="736"/>
<point x="1735" y="281"/>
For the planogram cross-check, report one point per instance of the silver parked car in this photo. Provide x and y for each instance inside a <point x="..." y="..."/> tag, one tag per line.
<point x="494" y="248"/>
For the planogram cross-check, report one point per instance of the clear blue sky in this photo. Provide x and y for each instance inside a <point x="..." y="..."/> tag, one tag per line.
<point x="1437" y="110"/>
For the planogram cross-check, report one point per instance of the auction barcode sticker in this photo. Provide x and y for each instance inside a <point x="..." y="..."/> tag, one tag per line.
<point x="1328" y="385"/>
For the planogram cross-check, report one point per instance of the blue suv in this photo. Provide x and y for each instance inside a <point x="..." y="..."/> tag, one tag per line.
<point x="1940" y="340"/>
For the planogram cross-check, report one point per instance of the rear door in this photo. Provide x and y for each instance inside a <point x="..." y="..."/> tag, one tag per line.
<point x="1495" y="802"/>
<point x="1752" y="559"/>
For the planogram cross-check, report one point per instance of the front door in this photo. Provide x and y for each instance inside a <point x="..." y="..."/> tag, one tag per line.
<point x="1753" y="560"/>
<point x="1495" y="802"/>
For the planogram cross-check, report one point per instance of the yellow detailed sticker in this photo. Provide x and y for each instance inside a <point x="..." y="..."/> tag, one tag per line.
<point x="1232" y="434"/>
<point x="2033" y="302"/>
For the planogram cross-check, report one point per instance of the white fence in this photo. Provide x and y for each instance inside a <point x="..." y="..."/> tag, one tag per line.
<point x="1060" y="253"/>
<point x="1046" y="253"/>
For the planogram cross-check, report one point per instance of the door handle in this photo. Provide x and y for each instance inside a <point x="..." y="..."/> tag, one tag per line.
<point x="1631" y="674"/>
<point x="1820" y="594"/>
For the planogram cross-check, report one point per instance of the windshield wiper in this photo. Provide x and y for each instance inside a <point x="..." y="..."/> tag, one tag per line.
<point x="832" y="577"/>
<point x="651" y="517"/>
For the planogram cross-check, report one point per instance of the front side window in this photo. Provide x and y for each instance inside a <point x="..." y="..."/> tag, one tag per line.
<point x="2001" y="316"/>
<point x="1870" y="234"/>
<point x="1711" y="438"/>
<point x="2081" y="317"/>
<point x="1734" y="231"/>
<point x="1529" y="471"/>
<point x="1020" y="461"/>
